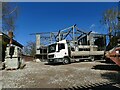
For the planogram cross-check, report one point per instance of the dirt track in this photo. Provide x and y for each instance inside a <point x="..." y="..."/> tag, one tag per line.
<point x="76" y="75"/>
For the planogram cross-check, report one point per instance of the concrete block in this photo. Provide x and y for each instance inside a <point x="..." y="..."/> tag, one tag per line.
<point x="12" y="63"/>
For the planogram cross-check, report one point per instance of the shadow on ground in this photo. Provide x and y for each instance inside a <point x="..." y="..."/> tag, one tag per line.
<point x="113" y="75"/>
<point x="111" y="67"/>
<point x="54" y="64"/>
<point x="106" y="61"/>
<point x="97" y="86"/>
<point x="60" y="63"/>
<point x="113" y="79"/>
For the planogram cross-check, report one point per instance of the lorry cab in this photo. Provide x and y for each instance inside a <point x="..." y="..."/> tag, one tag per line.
<point x="58" y="52"/>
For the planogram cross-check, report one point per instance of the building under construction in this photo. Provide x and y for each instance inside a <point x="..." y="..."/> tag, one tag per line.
<point x="87" y="41"/>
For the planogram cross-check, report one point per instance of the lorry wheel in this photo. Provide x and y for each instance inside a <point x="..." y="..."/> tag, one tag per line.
<point x="66" y="61"/>
<point x="92" y="58"/>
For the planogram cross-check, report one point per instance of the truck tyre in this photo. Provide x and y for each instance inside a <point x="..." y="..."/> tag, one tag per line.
<point x="92" y="58"/>
<point x="66" y="61"/>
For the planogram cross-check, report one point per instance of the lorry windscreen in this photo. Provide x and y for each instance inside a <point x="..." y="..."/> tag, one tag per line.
<point x="52" y="48"/>
<point x="61" y="46"/>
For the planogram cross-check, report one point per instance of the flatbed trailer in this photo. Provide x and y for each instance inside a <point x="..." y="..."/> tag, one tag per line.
<point x="63" y="52"/>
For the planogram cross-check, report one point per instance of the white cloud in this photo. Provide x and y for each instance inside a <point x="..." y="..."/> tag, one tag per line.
<point x="93" y="25"/>
<point x="94" y="32"/>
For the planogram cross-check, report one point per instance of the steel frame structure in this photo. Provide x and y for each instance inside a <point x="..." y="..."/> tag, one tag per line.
<point x="72" y="33"/>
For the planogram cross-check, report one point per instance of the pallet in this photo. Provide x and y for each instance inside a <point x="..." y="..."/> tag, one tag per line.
<point x="11" y="69"/>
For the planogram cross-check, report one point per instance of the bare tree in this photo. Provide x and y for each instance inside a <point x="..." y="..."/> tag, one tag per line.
<point x="9" y="15"/>
<point x="30" y="48"/>
<point x="110" y="20"/>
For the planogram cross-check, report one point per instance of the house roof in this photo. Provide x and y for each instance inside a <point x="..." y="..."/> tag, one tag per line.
<point x="14" y="41"/>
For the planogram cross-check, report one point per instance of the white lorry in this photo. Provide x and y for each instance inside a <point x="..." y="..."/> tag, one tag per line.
<point x="66" y="53"/>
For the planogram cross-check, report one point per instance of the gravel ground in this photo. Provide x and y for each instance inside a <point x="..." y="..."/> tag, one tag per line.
<point x="76" y="75"/>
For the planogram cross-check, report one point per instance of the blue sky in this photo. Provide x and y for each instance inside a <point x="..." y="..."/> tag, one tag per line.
<point x="50" y="17"/>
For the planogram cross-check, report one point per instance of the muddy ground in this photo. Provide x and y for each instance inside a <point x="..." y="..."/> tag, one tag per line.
<point x="90" y="75"/>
